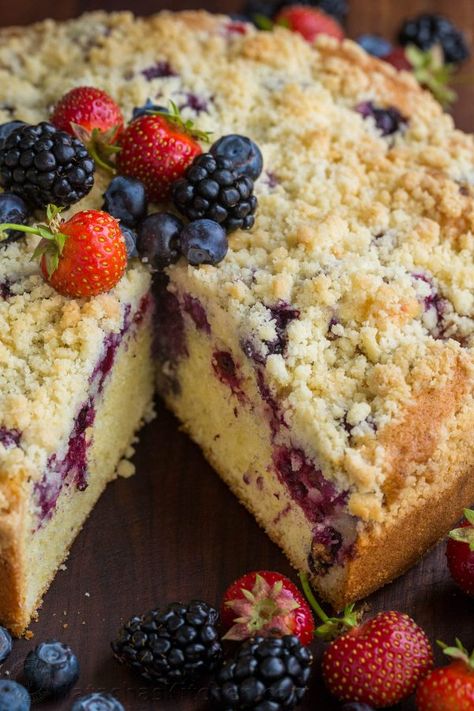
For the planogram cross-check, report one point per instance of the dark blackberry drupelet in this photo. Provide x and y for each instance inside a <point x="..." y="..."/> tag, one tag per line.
<point x="269" y="8"/>
<point x="212" y="190"/>
<point x="267" y="674"/>
<point x="172" y="647"/>
<point x="426" y="30"/>
<point x="44" y="165"/>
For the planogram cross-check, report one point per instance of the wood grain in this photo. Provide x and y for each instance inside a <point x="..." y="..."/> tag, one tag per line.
<point x="174" y="531"/>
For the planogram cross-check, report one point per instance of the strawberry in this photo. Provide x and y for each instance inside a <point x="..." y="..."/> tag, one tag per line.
<point x="460" y="553"/>
<point x="449" y="688"/>
<point x="265" y="603"/>
<point x="157" y="148"/>
<point x="90" y="109"/>
<point x="398" y="59"/>
<point x="377" y="662"/>
<point x="83" y="256"/>
<point x="309" y="22"/>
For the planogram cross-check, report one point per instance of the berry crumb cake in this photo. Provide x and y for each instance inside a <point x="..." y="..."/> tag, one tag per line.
<point x="318" y="348"/>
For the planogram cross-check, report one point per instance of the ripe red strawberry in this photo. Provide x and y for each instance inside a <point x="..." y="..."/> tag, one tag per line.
<point x="398" y="59"/>
<point x="449" y="688"/>
<point x="460" y="553"/>
<point x="267" y="604"/>
<point x="83" y="256"/>
<point x="157" y="149"/>
<point x="91" y="109"/>
<point x="380" y="662"/>
<point x="309" y="22"/>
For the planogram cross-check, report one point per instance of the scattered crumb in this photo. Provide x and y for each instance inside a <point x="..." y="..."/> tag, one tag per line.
<point x="87" y="594"/>
<point x="125" y="469"/>
<point x="63" y="566"/>
<point x="65" y="626"/>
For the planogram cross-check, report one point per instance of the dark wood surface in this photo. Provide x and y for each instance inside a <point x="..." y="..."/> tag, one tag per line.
<point x="174" y="531"/>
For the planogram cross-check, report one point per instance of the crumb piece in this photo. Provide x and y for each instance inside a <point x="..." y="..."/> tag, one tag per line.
<point x="125" y="469"/>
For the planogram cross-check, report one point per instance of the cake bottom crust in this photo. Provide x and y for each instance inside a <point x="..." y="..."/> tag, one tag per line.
<point x="29" y="560"/>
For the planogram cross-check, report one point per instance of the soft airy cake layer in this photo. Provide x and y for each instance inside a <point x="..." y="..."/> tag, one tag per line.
<point x="340" y="328"/>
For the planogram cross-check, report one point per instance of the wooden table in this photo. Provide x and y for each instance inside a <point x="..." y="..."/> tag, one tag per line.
<point x="174" y="531"/>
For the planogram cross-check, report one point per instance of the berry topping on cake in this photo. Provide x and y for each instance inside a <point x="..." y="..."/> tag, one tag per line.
<point x="460" y="553"/>
<point x="51" y="669"/>
<point x="203" y="242"/>
<point x="7" y="128"/>
<point x="265" y="674"/>
<point x="449" y="688"/>
<point x="309" y="22"/>
<point x="256" y="9"/>
<point x="267" y="604"/>
<point x="159" y="70"/>
<point x="158" y="239"/>
<point x="83" y="256"/>
<point x="97" y="702"/>
<point x="212" y="189"/>
<point x="125" y="199"/>
<point x="5" y="644"/>
<point x="428" y="30"/>
<point x="130" y="237"/>
<point x="356" y="706"/>
<point x="43" y="165"/>
<point x="388" y="121"/>
<point x="13" y="696"/>
<point x="244" y="155"/>
<point x="148" y="108"/>
<point x="13" y="209"/>
<point x="171" y="647"/>
<point x="157" y="149"/>
<point x="375" y="45"/>
<point x="89" y="109"/>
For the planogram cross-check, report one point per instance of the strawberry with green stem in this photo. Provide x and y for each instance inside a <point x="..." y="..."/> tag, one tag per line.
<point x="379" y="661"/>
<point x="80" y="257"/>
<point x="449" y="688"/>
<point x="460" y="553"/>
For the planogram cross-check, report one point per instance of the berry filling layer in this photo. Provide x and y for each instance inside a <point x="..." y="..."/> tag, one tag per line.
<point x="69" y="469"/>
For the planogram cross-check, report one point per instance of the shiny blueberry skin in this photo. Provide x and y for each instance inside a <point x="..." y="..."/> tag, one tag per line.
<point x="158" y="239"/>
<point x="51" y="668"/>
<point x="375" y="45"/>
<point x="13" y="696"/>
<point x="7" y="128"/>
<point x="97" y="702"/>
<point x="130" y="237"/>
<point x="148" y="108"/>
<point x="204" y="242"/>
<point x="244" y="155"/>
<point x="125" y="199"/>
<point x="12" y="209"/>
<point x="5" y="644"/>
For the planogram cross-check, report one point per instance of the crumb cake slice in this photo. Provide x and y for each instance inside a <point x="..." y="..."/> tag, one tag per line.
<point x="325" y="366"/>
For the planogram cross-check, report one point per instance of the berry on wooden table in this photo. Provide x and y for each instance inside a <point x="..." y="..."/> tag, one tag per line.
<point x="51" y="669"/>
<point x="158" y="239"/>
<point x="460" y="553"/>
<point x="97" y="702"/>
<point x="5" y="644"/>
<point x="203" y="242"/>
<point x="427" y="30"/>
<point x="449" y="688"/>
<point x="267" y="673"/>
<point x="266" y="603"/>
<point x="157" y="148"/>
<point x="13" y="696"/>
<point x="44" y="165"/>
<point x="309" y="22"/>
<point x="80" y="257"/>
<point x="171" y="647"/>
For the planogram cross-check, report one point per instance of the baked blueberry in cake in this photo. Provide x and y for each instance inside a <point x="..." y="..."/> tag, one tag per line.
<point x="318" y="346"/>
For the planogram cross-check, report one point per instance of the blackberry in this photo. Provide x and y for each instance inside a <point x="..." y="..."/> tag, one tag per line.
<point x="172" y="647"/>
<point x="44" y="165"/>
<point x="212" y="190"/>
<point x="267" y="674"/>
<point x="426" y="30"/>
<point x="269" y="8"/>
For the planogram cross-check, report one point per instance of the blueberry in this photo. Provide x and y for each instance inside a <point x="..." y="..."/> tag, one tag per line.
<point x="12" y="209"/>
<point x="375" y="45"/>
<point x="51" y="668"/>
<point x="7" y="128"/>
<point x="130" y="237"/>
<point x="148" y="108"/>
<point x="244" y="155"/>
<point x="158" y="239"/>
<point x="356" y="706"/>
<point x="97" y="702"/>
<point x="125" y="199"/>
<point x="203" y="242"/>
<point x="5" y="644"/>
<point x="13" y="696"/>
